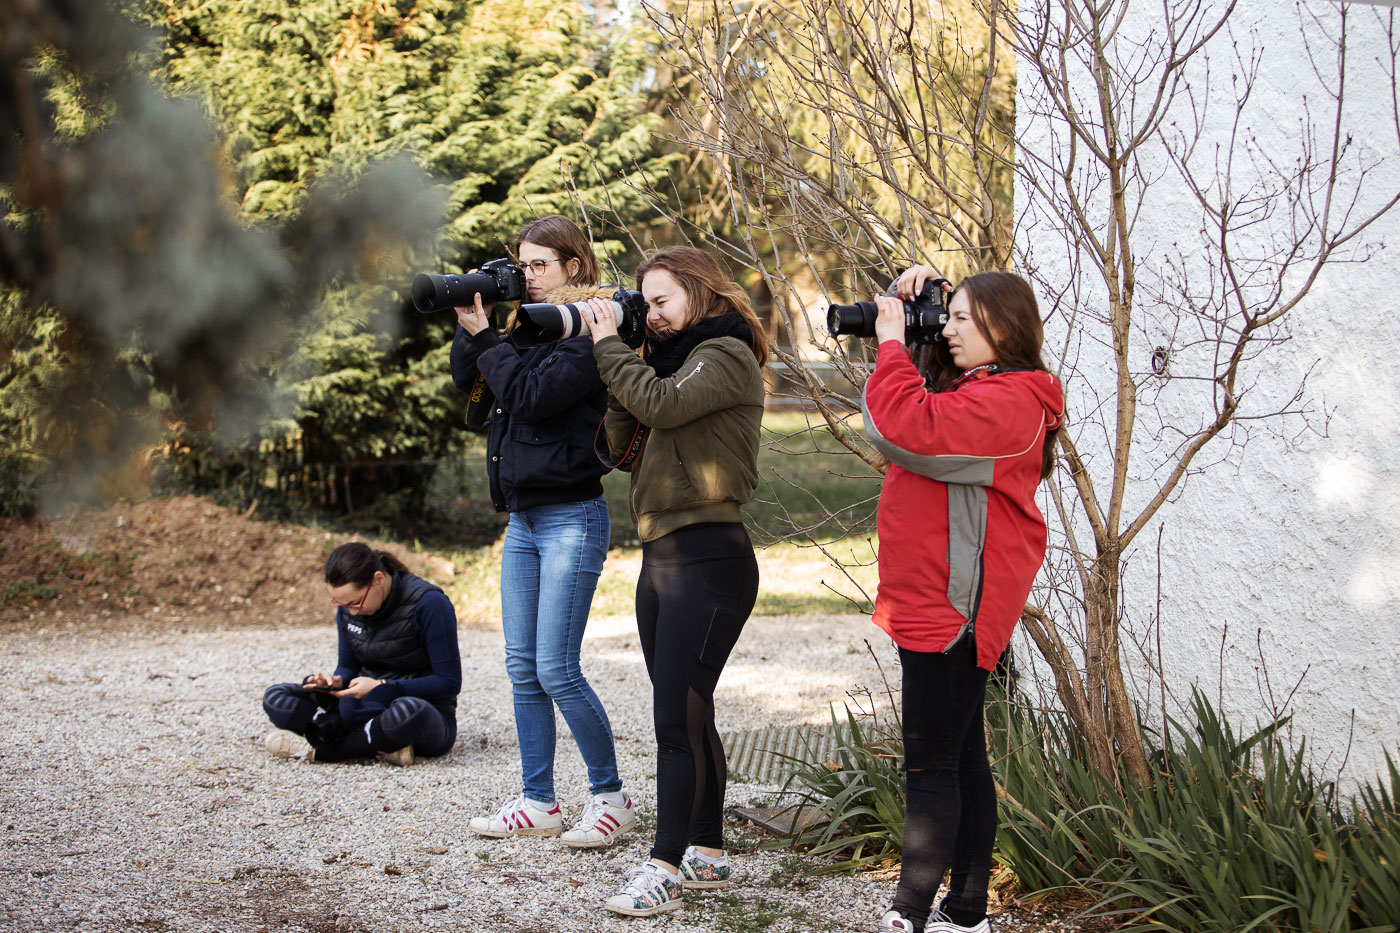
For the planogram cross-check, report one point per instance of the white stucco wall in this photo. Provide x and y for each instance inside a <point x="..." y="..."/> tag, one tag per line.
<point x="1280" y="563"/>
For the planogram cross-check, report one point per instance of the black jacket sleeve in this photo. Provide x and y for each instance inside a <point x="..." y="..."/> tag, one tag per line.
<point x="534" y="388"/>
<point x="466" y="355"/>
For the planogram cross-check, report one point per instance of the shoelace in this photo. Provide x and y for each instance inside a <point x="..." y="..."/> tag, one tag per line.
<point x="644" y="882"/>
<point x="509" y="810"/>
<point x="511" y="805"/>
<point x="592" y="812"/>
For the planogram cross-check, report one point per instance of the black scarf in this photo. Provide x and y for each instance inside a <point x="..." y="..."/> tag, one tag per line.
<point x="665" y="355"/>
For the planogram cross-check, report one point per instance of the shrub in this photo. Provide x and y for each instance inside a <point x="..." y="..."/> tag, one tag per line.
<point x="1231" y="834"/>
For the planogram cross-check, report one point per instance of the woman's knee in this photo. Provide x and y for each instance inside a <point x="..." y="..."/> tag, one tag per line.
<point x="284" y="698"/>
<point x="560" y="676"/>
<point x="523" y="674"/>
<point x="405" y="712"/>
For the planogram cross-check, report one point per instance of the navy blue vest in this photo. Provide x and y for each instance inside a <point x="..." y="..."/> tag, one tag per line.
<point x="387" y="643"/>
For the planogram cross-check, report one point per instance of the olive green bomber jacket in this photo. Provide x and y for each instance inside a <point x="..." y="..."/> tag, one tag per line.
<point x="700" y="462"/>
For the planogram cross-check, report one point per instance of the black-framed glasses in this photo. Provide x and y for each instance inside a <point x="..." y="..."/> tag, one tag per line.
<point x="538" y="266"/>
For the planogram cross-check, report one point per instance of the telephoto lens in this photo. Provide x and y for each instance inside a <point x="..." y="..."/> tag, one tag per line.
<point x="436" y="292"/>
<point x="924" y="316"/>
<point x="857" y="320"/>
<point x="541" y="323"/>
<point x="497" y="280"/>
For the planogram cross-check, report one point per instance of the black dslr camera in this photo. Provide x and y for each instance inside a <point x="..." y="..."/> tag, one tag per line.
<point x="541" y="323"/>
<point x="497" y="280"/>
<point x="924" y="316"/>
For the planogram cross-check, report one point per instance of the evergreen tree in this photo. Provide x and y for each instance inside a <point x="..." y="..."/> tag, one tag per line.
<point x="167" y="266"/>
<point x="519" y="108"/>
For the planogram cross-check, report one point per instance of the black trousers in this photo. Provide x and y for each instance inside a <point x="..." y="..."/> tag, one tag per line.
<point x="950" y="823"/>
<point x="695" y="592"/>
<point x="318" y="717"/>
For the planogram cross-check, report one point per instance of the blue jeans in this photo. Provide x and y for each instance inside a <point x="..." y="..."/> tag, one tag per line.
<point x="549" y="569"/>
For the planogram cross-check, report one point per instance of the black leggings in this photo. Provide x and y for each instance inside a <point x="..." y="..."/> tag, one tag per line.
<point x="406" y="721"/>
<point x="950" y="822"/>
<point x="696" y="590"/>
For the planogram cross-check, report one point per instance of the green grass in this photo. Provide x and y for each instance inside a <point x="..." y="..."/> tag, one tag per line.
<point x="806" y="478"/>
<point x="24" y="591"/>
<point x="731" y="913"/>
<point x="807" y="481"/>
<point x="809" y="485"/>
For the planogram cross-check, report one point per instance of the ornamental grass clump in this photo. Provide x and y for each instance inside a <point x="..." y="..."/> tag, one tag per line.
<point x="849" y="804"/>
<point x="1228" y="834"/>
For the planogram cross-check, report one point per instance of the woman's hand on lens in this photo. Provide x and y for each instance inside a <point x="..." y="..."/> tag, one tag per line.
<point x="911" y="282"/>
<point x="889" y="318"/>
<point x="473" y="318"/>
<point x="602" y="318"/>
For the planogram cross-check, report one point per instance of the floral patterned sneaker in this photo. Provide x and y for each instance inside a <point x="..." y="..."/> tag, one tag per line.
<point x="649" y="890"/>
<point x="698" y="873"/>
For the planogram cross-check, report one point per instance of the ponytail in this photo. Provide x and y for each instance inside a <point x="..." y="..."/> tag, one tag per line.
<point x="356" y="563"/>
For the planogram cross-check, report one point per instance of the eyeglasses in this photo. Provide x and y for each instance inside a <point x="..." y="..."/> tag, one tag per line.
<point x="538" y="266"/>
<point x="358" y="604"/>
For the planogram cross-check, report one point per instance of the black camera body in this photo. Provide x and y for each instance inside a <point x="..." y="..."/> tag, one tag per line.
<point x="541" y="323"/>
<point x="924" y="316"/>
<point x="497" y="280"/>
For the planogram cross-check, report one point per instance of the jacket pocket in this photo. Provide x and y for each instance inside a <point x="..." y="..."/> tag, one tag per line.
<point x="541" y="455"/>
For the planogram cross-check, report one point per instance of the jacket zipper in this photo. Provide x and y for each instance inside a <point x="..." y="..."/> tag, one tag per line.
<point x="699" y="365"/>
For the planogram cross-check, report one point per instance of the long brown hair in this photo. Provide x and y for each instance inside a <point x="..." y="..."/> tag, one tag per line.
<point x="356" y="563"/>
<point x="1008" y="318"/>
<point x="708" y="292"/>
<point x="559" y="233"/>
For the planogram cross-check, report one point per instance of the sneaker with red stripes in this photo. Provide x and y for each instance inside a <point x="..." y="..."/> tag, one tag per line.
<point x="518" y="816"/>
<point x="602" y="824"/>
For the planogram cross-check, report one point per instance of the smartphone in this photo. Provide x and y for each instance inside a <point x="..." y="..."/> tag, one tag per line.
<point x="320" y="688"/>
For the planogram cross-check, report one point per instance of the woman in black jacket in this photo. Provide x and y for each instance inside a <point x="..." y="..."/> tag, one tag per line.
<point x="548" y="402"/>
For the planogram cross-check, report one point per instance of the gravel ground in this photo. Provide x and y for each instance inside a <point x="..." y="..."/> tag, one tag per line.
<point x="136" y="794"/>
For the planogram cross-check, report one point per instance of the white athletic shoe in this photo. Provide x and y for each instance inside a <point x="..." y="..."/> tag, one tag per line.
<point x="286" y="744"/>
<point x="518" y="817"/>
<point x="602" y="824"/>
<point x="938" y="922"/>
<point x="649" y="890"/>
<point x="893" y="922"/>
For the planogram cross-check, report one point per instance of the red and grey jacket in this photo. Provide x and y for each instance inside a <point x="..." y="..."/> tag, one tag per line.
<point x="961" y="537"/>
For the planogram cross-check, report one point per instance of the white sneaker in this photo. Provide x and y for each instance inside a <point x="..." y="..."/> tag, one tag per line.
<point x="602" y="824"/>
<point x="286" y="744"/>
<point x="938" y="922"/>
<point x="518" y="817"/>
<point x="698" y="873"/>
<point x="893" y="922"/>
<point x="649" y="890"/>
<point x="401" y="758"/>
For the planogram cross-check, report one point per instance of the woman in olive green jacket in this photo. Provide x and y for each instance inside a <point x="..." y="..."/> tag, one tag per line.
<point x="684" y="417"/>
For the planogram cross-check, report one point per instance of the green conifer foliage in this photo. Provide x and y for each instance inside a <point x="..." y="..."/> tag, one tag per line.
<point x="515" y="108"/>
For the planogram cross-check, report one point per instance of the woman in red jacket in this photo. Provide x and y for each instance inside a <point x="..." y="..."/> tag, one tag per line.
<point x="961" y="540"/>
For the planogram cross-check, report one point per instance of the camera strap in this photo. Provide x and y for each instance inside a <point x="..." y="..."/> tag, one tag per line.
<point x="479" y="402"/>
<point x="629" y="456"/>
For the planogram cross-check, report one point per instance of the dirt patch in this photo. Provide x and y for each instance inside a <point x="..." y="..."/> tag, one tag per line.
<point x="186" y="562"/>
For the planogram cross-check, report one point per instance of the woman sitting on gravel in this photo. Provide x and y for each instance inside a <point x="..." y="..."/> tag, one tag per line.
<point x="697" y="390"/>
<point x="397" y="675"/>
<point x="961" y="540"/>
